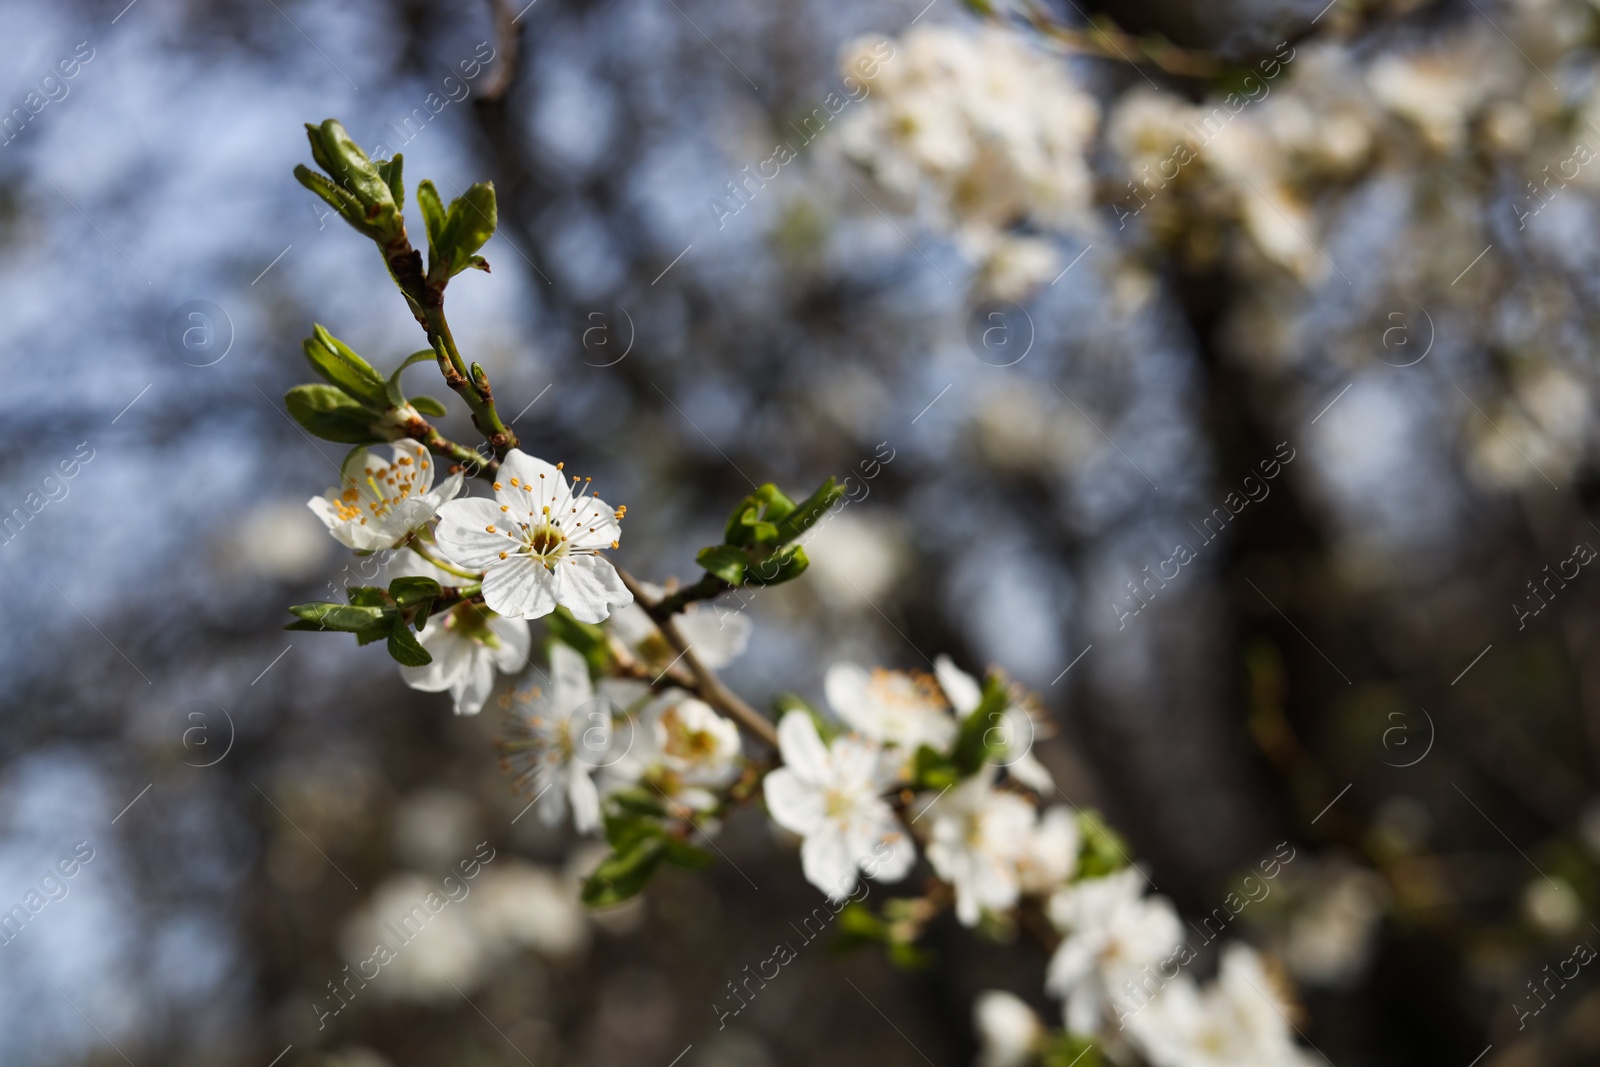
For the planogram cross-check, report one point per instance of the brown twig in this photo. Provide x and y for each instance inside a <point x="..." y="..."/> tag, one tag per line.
<point x="708" y="686"/>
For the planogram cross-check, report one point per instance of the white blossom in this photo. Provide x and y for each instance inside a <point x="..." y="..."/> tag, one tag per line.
<point x="561" y="734"/>
<point x="683" y="749"/>
<point x="1009" y="1032"/>
<point x="378" y="502"/>
<point x="976" y="837"/>
<point x="468" y="644"/>
<point x="1051" y="855"/>
<point x="1112" y="931"/>
<point x="982" y="131"/>
<point x="1237" y="1021"/>
<point x="893" y="707"/>
<point x="539" y="539"/>
<point x="717" y="637"/>
<point x="831" y="795"/>
<point x="1016" y="727"/>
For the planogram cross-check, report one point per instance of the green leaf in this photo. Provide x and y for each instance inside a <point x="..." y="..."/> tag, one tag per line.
<point x="931" y="770"/>
<point x="682" y="854"/>
<point x="405" y="649"/>
<point x="427" y="405"/>
<point x="782" y="566"/>
<point x="368" y="596"/>
<point x="348" y="207"/>
<point x="1103" y="851"/>
<point x="981" y="737"/>
<point x="345" y="617"/>
<point x="635" y="801"/>
<point x="470" y="222"/>
<point x="392" y="389"/>
<point x="391" y="172"/>
<point x="808" y="511"/>
<point x="622" y="875"/>
<point x="367" y="197"/>
<point x="331" y="415"/>
<point x="908" y="957"/>
<point x="413" y="589"/>
<point x="339" y="364"/>
<point x="1061" y="1049"/>
<point x="432" y="218"/>
<point x="858" y="926"/>
<point x="754" y="521"/>
<point x="725" y="561"/>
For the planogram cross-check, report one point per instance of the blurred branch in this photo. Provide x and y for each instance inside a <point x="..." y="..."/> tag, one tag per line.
<point x="1103" y="39"/>
<point x="508" y="43"/>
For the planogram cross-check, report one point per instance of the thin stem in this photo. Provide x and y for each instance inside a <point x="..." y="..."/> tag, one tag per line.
<point x="426" y="299"/>
<point x="708" y="587"/>
<point x="416" y="547"/>
<point x="708" y="686"/>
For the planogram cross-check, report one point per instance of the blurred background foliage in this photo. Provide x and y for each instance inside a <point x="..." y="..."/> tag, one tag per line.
<point x="1355" y="666"/>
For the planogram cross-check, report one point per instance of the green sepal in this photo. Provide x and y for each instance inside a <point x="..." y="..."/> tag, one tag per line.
<point x="405" y="649"/>
<point x="427" y="405"/>
<point x="328" y="413"/>
<point x="725" y="561"/>
<point x="392" y="391"/>
<point x="340" y="365"/>
<point x="808" y="511"/>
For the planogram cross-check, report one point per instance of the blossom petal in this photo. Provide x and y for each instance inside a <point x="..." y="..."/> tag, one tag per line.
<point x="589" y="586"/>
<point x="960" y="688"/>
<point x="527" y="484"/>
<point x="452" y="657"/>
<point x="795" y="804"/>
<point x="828" y="863"/>
<point x="802" y="748"/>
<point x="465" y="536"/>
<point x="717" y="637"/>
<point x="569" y="679"/>
<point x="474" y="684"/>
<point x="521" y="587"/>
<point x="585" y="800"/>
<point x="512" y="655"/>
<point x="845" y="686"/>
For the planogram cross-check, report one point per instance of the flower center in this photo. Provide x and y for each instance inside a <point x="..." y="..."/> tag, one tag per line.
<point x="837" y="804"/>
<point x="472" y="622"/>
<point x="546" y="542"/>
<point x="388" y="485"/>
